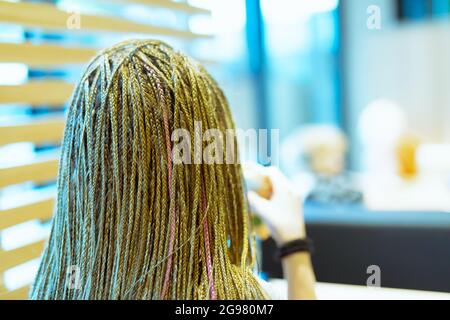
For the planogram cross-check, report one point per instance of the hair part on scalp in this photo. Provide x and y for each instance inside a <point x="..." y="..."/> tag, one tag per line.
<point x="129" y="223"/>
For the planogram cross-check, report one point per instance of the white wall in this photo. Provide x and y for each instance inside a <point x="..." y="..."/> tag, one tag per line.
<point x="408" y="63"/>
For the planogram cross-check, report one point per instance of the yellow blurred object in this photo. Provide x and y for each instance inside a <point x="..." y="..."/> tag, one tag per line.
<point x="265" y="191"/>
<point x="406" y="156"/>
<point x="263" y="187"/>
<point x="261" y="231"/>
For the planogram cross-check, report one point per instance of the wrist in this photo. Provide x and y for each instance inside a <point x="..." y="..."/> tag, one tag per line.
<point x="295" y="234"/>
<point x="303" y="256"/>
<point x="297" y="246"/>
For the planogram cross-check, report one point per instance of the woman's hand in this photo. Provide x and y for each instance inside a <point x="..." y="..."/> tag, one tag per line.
<point x="282" y="213"/>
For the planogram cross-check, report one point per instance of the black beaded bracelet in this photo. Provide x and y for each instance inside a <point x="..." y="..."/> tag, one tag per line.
<point x="299" y="245"/>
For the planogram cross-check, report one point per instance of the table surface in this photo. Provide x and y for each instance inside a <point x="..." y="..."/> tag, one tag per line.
<point x="331" y="291"/>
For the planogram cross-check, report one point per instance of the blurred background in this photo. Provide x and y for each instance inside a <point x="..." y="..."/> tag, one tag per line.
<point x="359" y="90"/>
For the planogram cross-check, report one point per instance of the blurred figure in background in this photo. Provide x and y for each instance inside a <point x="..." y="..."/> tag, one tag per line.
<point x="320" y="150"/>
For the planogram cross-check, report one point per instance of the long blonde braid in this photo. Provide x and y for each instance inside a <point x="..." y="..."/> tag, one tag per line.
<point x="131" y="223"/>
